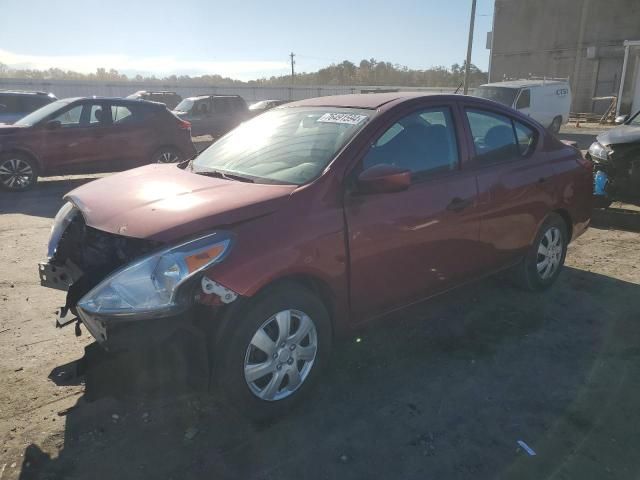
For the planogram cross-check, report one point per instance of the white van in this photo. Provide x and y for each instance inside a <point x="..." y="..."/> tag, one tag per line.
<point x="547" y="101"/>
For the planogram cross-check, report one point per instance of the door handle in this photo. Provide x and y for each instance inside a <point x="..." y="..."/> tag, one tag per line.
<point x="458" y="204"/>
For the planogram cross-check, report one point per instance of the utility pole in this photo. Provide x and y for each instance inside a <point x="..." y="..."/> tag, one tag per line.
<point x="292" y="64"/>
<point x="469" y="47"/>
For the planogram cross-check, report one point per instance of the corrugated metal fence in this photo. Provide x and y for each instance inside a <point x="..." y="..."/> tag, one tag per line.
<point x="81" y="88"/>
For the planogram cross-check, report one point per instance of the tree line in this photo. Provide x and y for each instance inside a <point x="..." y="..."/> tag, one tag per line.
<point x="367" y="72"/>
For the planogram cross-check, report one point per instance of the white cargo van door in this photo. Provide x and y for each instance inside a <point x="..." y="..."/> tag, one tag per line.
<point x="523" y="102"/>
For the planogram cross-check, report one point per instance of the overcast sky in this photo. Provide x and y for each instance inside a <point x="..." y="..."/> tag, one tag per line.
<point x="242" y="39"/>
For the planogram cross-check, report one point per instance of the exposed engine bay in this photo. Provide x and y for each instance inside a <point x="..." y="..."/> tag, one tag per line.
<point x="85" y="256"/>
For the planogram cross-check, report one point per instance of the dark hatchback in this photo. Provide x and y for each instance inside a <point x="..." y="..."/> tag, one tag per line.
<point x="85" y="135"/>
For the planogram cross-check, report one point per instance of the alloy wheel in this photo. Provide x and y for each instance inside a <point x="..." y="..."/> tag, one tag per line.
<point x="16" y="173"/>
<point x="168" y="157"/>
<point x="550" y="251"/>
<point x="280" y="355"/>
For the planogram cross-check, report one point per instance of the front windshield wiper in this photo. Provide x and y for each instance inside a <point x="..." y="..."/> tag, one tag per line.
<point x="225" y="175"/>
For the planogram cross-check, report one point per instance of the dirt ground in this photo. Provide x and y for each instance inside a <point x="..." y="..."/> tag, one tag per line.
<point x="444" y="390"/>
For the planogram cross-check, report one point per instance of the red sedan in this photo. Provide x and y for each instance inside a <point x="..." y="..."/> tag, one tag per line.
<point x="311" y="219"/>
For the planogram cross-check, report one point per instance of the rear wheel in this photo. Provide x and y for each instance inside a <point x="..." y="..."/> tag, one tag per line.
<point x="556" y="124"/>
<point x="18" y="172"/>
<point x="269" y="358"/>
<point x="545" y="258"/>
<point x="167" y="155"/>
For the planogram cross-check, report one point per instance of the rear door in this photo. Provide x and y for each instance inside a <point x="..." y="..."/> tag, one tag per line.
<point x="515" y="183"/>
<point x="407" y="245"/>
<point x="131" y="138"/>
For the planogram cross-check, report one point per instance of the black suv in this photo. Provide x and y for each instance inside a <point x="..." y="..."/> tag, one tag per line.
<point x="213" y="114"/>
<point x="16" y="104"/>
<point x="170" y="99"/>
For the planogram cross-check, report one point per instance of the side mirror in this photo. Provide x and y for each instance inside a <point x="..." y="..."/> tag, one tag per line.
<point x="53" y="124"/>
<point x="384" y="179"/>
<point x="621" y="119"/>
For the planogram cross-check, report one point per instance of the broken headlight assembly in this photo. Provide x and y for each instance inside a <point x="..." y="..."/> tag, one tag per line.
<point x="150" y="286"/>
<point x="60" y="223"/>
<point x="599" y="151"/>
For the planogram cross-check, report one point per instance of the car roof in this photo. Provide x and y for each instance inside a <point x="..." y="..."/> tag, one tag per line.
<point x="200" y="97"/>
<point x="25" y="92"/>
<point x="371" y="101"/>
<point x="524" y="83"/>
<point x="131" y="101"/>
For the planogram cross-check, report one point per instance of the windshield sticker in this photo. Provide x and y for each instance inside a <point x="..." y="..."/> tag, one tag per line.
<point x="347" y="118"/>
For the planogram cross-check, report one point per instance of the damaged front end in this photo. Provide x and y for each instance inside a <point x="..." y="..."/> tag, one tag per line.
<point x="616" y="170"/>
<point x="113" y="281"/>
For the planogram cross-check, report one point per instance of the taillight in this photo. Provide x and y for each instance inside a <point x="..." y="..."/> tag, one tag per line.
<point x="184" y="125"/>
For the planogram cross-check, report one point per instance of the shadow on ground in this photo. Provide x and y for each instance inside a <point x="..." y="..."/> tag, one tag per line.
<point x="443" y="390"/>
<point x="44" y="199"/>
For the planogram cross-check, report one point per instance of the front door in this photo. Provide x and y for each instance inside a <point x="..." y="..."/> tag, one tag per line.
<point x="407" y="245"/>
<point x="76" y="145"/>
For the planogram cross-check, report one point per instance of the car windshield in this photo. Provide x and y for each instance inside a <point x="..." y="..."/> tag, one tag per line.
<point x="42" y="113"/>
<point x="291" y="145"/>
<point x="635" y="120"/>
<point x="503" y="95"/>
<point x="185" y="105"/>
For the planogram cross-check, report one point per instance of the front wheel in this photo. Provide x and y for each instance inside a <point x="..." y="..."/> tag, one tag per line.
<point x="270" y="356"/>
<point x="167" y="155"/>
<point x="18" y="172"/>
<point x="544" y="260"/>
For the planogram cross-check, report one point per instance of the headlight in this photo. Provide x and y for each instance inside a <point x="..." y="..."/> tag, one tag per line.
<point x="599" y="151"/>
<point x="63" y="218"/>
<point x="151" y="284"/>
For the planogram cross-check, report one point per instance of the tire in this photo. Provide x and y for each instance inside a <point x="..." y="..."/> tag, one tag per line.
<point x="602" y="202"/>
<point x="531" y="272"/>
<point x="18" y="172"/>
<point x="167" y="155"/>
<point x="257" y="382"/>
<point x="555" y="125"/>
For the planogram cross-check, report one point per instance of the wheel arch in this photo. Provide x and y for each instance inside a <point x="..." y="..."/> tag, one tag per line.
<point x="27" y="152"/>
<point x="566" y="216"/>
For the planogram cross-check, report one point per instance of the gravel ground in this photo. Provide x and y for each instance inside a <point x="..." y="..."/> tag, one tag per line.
<point x="443" y="390"/>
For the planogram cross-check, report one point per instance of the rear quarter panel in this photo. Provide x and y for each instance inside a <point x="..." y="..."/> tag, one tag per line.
<point x="573" y="182"/>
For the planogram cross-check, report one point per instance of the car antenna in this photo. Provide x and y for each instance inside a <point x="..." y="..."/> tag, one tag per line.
<point x="458" y="89"/>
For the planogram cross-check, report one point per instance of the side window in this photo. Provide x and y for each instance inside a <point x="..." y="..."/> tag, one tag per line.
<point x="30" y="104"/>
<point x="11" y="103"/>
<point x="417" y="144"/>
<point x="526" y="138"/>
<point x="70" y="118"/>
<point x="121" y="114"/>
<point x="524" y="100"/>
<point x="201" y="107"/>
<point x="98" y="116"/>
<point x="494" y="136"/>
<point x="221" y="105"/>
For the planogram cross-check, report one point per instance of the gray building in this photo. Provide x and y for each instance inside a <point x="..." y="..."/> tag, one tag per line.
<point x="594" y="43"/>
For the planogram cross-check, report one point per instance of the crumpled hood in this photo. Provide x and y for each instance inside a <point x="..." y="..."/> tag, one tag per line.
<point x="621" y="134"/>
<point x="166" y="203"/>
